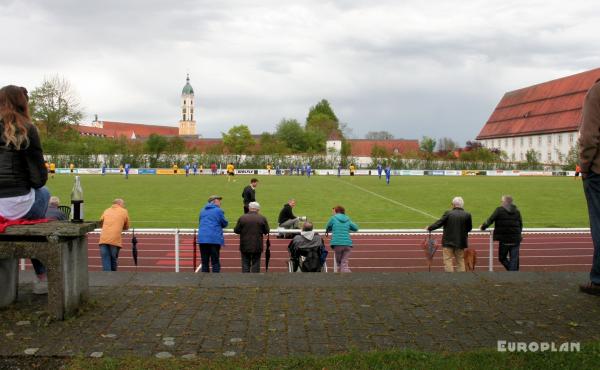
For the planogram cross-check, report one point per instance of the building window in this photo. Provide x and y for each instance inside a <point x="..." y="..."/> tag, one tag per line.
<point x="549" y="157"/>
<point x="522" y="156"/>
<point x="521" y="141"/>
<point x="184" y="111"/>
<point x="539" y="140"/>
<point x="183" y="119"/>
<point x="560" y="139"/>
<point x="530" y="141"/>
<point x="514" y="142"/>
<point x="184" y="101"/>
<point x="192" y="117"/>
<point x="571" y="138"/>
<point x="549" y="140"/>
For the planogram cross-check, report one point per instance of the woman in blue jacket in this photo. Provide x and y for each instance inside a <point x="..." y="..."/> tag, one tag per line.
<point x="341" y="225"/>
<point x="210" y="233"/>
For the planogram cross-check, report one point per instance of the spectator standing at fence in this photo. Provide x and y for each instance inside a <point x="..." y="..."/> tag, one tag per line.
<point x="53" y="213"/>
<point x="210" y="233"/>
<point x="456" y="223"/>
<point x="113" y="221"/>
<point x="249" y="194"/>
<point x="251" y="227"/>
<point x="589" y="161"/>
<point x="22" y="170"/>
<point x="340" y="226"/>
<point x="507" y="231"/>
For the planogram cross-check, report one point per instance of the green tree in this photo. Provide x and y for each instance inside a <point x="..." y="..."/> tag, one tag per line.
<point x="321" y="108"/>
<point x="175" y="145"/>
<point x="315" y="141"/>
<point x="532" y="159"/>
<point x="238" y="140"/>
<point x="427" y="145"/>
<point x="292" y="135"/>
<point x="270" y="144"/>
<point x="155" y="146"/>
<point x="54" y="108"/>
<point x="446" y="144"/>
<point x="378" y="152"/>
<point x="322" y="119"/>
<point x="379" y="135"/>
<point x="572" y="158"/>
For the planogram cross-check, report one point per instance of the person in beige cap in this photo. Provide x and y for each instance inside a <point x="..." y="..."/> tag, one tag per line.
<point x="251" y="227"/>
<point x="210" y="233"/>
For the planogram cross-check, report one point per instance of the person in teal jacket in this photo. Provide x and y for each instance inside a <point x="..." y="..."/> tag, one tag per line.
<point x="341" y="225"/>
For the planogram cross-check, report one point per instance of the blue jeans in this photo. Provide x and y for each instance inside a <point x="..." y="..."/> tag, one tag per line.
<point x="110" y="255"/>
<point x="37" y="211"/>
<point x="591" y="188"/>
<point x="209" y="253"/>
<point x="512" y="251"/>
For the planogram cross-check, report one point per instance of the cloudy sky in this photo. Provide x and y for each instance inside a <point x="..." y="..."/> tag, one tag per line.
<point x="413" y="68"/>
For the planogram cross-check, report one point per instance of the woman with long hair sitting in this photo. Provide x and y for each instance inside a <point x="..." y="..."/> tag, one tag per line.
<point x="22" y="170"/>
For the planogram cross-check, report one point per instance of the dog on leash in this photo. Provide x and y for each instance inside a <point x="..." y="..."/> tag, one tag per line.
<point x="470" y="256"/>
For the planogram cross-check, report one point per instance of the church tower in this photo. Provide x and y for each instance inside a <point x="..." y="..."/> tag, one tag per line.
<point x="187" y="125"/>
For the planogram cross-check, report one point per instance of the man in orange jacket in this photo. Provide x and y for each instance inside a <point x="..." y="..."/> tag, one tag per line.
<point x="113" y="221"/>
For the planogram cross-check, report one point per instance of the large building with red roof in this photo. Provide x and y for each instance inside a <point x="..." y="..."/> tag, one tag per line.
<point x="543" y="117"/>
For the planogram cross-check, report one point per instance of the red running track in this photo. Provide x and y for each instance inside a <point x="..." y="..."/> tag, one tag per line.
<point x="384" y="253"/>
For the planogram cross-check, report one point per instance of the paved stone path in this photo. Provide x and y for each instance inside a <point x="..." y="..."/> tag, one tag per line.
<point x="168" y="314"/>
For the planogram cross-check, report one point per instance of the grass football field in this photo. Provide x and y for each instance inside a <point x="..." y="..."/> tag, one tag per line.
<point x="408" y="202"/>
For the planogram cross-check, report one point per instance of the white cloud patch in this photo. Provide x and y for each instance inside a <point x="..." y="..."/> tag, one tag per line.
<point x="413" y="68"/>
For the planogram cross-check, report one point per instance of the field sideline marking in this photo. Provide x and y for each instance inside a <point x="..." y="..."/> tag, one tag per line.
<point x="390" y="200"/>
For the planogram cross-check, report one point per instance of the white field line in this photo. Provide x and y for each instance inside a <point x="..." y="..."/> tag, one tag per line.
<point x="390" y="200"/>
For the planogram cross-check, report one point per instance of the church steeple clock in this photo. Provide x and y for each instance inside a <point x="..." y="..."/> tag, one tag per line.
<point x="187" y="125"/>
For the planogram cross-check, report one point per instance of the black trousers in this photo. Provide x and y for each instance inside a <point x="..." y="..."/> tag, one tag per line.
<point x="251" y="262"/>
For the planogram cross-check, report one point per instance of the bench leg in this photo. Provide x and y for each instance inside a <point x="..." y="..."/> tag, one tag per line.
<point x="9" y="280"/>
<point x="68" y="284"/>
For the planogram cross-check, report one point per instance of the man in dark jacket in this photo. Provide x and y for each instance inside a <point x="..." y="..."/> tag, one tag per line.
<point x="457" y="224"/>
<point x="589" y="161"/>
<point x="306" y="250"/>
<point x="287" y="219"/>
<point x="507" y="232"/>
<point x="249" y="194"/>
<point x="210" y="233"/>
<point x="251" y="227"/>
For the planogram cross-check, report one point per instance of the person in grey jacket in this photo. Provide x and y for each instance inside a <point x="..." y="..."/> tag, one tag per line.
<point x="507" y="232"/>
<point x="53" y="213"/>
<point x="456" y="223"/>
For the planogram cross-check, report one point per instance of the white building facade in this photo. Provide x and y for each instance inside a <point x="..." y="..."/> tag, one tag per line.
<point x="550" y="148"/>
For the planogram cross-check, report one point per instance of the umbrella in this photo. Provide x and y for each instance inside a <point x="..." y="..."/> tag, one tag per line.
<point x="429" y="247"/>
<point x="268" y="254"/>
<point x="134" y="242"/>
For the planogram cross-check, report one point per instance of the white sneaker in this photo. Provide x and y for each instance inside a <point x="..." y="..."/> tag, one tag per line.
<point x="39" y="286"/>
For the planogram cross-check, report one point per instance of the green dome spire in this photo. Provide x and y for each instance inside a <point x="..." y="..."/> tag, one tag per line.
<point x="187" y="89"/>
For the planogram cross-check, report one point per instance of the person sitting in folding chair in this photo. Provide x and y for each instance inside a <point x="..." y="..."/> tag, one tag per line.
<point x="307" y="251"/>
<point x="287" y="219"/>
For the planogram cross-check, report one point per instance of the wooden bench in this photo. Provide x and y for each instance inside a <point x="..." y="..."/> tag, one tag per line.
<point x="62" y="247"/>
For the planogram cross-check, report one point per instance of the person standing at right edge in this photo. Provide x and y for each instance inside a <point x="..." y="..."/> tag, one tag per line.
<point x="589" y="161"/>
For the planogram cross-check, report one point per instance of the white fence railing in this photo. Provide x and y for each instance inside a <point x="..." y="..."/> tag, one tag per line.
<point x="178" y="233"/>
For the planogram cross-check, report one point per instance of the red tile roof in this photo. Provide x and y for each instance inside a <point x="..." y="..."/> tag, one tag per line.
<point x="553" y="106"/>
<point x="115" y="129"/>
<point x="362" y="148"/>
